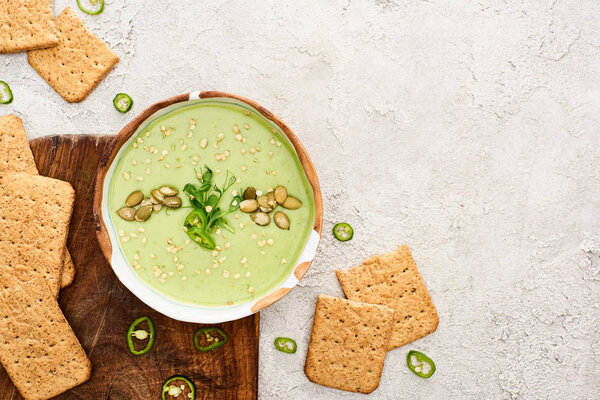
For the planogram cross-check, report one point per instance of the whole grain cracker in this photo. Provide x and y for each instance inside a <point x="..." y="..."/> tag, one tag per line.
<point x="78" y="63"/>
<point x="348" y="344"/>
<point x="26" y="25"/>
<point x="393" y="280"/>
<point x="38" y="348"/>
<point x="34" y="221"/>
<point x="16" y="156"/>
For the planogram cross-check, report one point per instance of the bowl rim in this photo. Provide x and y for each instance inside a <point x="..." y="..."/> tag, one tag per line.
<point x="187" y="312"/>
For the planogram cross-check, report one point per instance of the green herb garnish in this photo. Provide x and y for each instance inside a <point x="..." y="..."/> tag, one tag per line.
<point x="207" y="216"/>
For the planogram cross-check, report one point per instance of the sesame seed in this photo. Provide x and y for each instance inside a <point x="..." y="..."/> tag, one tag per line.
<point x="252" y="150"/>
<point x="270" y="242"/>
<point x="259" y="193"/>
<point x="121" y="232"/>
<point x="226" y="274"/>
<point x="144" y="240"/>
<point x="133" y="235"/>
<point x="125" y="176"/>
<point x="244" y="167"/>
<point x="147" y="171"/>
<point x="148" y="161"/>
<point x="227" y="245"/>
<point x="283" y="261"/>
<point x="208" y="209"/>
<point x="203" y="143"/>
<point x="263" y="252"/>
<point x="247" y="274"/>
<point x="238" y="180"/>
<point x="250" y="290"/>
<point x="152" y="255"/>
<point x="244" y="260"/>
<point x="245" y="265"/>
<point x="220" y="136"/>
<point x="136" y="257"/>
<point x="218" y="231"/>
<point x="243" y="151"/>
<point x="238" y="137"/>
<point x="190" y="134"/>
<point x="236" y="276"/>
<point x="236" y="129"/>
<point x="254" y="236"/>
<point x="215" y="253"/>
<point x="139" y="179"/>
<point x="242" y="225"/>
<point x="134" y="163"/>
<point x="216" y="145"/>
<point x="140" y="140"/>
<point x="183" y="278"/>
<point x="261" y="243"/>
<point x="171" y="273"/>
<point x="167" y="165"/>
<point x="208" y="271"/>
<point x="246" y="126"/>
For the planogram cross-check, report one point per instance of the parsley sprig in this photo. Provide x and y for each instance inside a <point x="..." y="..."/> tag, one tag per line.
<point x="207" y="216"/>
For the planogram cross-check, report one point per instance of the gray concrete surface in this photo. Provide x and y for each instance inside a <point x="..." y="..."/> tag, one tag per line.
<point x="467" y="129"/>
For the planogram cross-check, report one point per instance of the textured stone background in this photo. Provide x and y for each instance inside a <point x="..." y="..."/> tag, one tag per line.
<point x="468" y="129"/>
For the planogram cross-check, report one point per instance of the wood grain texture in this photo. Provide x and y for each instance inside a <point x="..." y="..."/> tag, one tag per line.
<point x="100" y="309"/>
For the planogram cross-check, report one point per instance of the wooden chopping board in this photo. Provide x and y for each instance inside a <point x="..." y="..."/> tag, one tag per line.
<point x="100" y="309"/>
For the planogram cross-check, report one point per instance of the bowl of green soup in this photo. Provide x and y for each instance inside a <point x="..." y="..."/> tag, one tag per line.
<point x="208" y="207"/>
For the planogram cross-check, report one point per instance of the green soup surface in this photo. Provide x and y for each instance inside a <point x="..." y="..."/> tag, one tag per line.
<point x="170" y="151"/>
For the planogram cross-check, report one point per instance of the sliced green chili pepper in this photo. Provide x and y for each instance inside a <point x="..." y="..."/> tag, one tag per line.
<point x="195" y="219"/>
<point x="174" y="391"/>
<point x="91" y="7"/>
<point x="213" y="341"/>
<point x="420" y="364"/>
<point x="122" y="102"/>
<point x="200" y="236"/>
<point x="6" y="96"/>
<point x="140" y="334"/>
<point x="286" y="345"/>
<point x="343" y="232"/>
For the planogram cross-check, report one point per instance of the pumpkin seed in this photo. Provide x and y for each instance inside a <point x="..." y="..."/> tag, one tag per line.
<point x="292" y="203"/>
<point x="260" y="218"/>
<point x="169" y="191"/>
<point x="157" y="207"/>
<point x="146" y="202"/>
<point x="271" y="200"/>
<point x="127" y="213"/>
<point x="281" y="220"/>
<point x="157" y="195"/>
<point x="249" y="206"/>
<point x="249" y="193"/>
<point x="262" y="201"/>
<point x="153" y="200"/>
<point x="280" y="194"/>
<point x="143" y="213"/>
<point x="172" y="202"/>
<point x="134" y="198"/>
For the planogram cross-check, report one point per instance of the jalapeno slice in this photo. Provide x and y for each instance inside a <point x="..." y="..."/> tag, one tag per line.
<point x="172" y="390"/>
<point x="91" y="7"/>
<point x="123" y="102"/>
<point x="213" y="342"/>
<point x="343" y="232"/>
<point x="286" y="345"/>
<point x="140" y="334"/>
<point x="6" y="96"/>
<point x="420" y="364"/>
<point x="200" y="236"/>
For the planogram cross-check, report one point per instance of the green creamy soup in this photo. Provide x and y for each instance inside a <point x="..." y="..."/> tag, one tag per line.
<point x="172" y="150"/>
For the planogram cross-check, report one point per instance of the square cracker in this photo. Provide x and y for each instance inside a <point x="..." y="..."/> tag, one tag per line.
<point x="38" y="348"/>
<point x="26" y="25"/>
<point x="16" y="156"/>
<point x="34" y="221"/>
<point x="393" y="280"/>
<point x="348" y="344"/>
<point x="78" y="63"/>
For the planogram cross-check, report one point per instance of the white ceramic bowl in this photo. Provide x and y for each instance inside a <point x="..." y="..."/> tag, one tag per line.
<point x="108" y="239"/>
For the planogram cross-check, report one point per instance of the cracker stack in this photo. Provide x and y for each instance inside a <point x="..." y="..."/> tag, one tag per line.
<point x="63" y="50"/>
<point x="38" y="349"/>
<point x="388" y="306"/>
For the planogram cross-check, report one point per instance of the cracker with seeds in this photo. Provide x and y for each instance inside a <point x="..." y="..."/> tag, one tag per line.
<point x="393" y="280"/>
<point x="38" y="348"/>
<point x="348" y="344"/>
<point x="34" y="221"/>
<point x="16" y="156"/>
<point x="78" y="63"/>
<point x="26" y="25"/>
